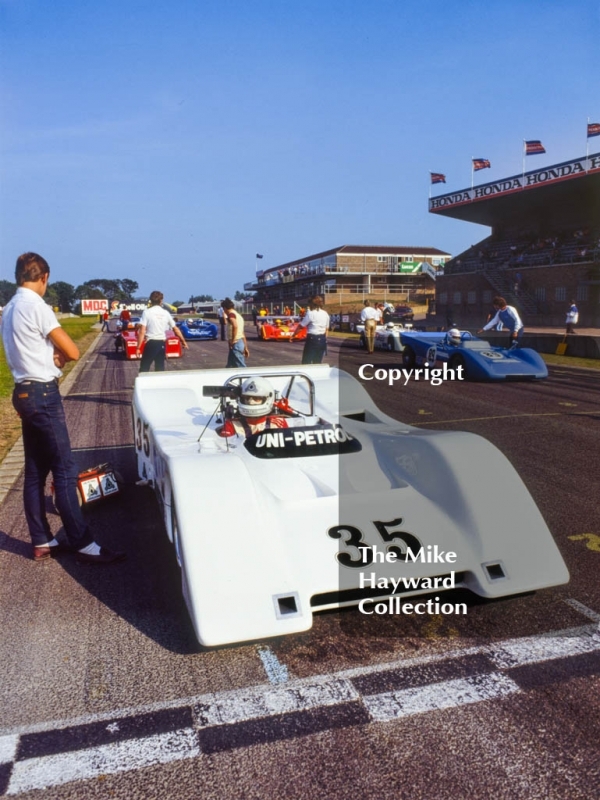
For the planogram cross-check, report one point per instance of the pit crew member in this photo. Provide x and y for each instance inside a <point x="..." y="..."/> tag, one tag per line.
<point x="155" y="322"/>
<point x="316" y="322"/>
<point x="370" y="317"/>
<point x="509" y="317"/>
<point x="238" y="347"/>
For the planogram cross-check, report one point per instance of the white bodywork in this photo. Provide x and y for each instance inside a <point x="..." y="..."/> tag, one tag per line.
<point x="258" y="539"/>
<point x="387" y="338"/>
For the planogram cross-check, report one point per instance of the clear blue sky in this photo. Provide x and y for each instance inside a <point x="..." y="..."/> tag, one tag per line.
<point x="169" y="142"/>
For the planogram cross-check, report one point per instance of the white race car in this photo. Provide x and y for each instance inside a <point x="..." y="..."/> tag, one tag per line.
<point x="387" y="337"/>
<point x="333" y="505"/>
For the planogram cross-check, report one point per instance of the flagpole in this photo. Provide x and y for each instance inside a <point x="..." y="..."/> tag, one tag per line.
<point x="472" y="172"/>
<point x="587" y="145"/>
<point x="523" y="157"/>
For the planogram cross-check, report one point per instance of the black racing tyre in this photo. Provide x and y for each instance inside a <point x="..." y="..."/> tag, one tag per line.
<point x="408" y="357"/>
<point x="458" y="360"/>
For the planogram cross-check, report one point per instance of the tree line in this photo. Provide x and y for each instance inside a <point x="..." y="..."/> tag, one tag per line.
<point x="66" y="297"/>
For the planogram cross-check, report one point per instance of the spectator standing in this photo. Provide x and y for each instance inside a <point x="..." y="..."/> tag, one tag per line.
<point x="105" y="319"/>
<point x="510" y="319"/>
<point x="572" y="317"/>
<point x="221" y="316"/>
<point x="316" y="322"/>
<point x="36" y="349"/>
<point x="370" y="317"/>
<point x="154" y="324"/>
<point x="238" y="347"/>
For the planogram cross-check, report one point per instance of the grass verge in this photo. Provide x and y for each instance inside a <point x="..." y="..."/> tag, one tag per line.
<point x="80" y="330"/>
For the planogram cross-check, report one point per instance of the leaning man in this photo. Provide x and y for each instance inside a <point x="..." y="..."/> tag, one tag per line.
<point x="36" y="348"/>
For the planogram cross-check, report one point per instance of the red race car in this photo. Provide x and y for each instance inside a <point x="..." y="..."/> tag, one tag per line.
<point x="280" y="328"/>
<point x="128" y="342"/>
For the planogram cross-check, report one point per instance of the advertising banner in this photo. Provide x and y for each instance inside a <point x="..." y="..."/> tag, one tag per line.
<point x="95" y="306"/>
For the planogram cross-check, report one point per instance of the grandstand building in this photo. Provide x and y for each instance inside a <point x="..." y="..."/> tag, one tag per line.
<point x="351" y="273"/>
<point x="543" y="250"/>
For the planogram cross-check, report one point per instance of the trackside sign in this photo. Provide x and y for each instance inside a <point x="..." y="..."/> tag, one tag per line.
<point x="94" y="306"/>
<point x="539" y="177"/>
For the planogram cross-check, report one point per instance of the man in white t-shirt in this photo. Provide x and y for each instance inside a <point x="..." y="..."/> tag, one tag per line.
<point x="36" y="349"/>
<point x="370" y="317"/>
<point x="316" y="322"/>
<point x="154" y="324"/>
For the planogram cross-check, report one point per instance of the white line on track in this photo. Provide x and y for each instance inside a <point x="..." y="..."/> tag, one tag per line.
<point x="587" y="612"/>
<point x="276" y="671"/>
<point x="8" y="748"/>
<point x="269" y="701"/>
<point x="40" y="773"/>
<point x="446" y="694"/>
<point x="507" y="416"/>
<point x="246" y="704"/>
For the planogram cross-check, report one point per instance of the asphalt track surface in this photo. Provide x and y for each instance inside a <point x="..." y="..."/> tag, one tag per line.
<point x="105" y="692"/>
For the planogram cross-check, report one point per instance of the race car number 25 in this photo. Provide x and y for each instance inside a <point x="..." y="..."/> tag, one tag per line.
<point x="352" y="538"/>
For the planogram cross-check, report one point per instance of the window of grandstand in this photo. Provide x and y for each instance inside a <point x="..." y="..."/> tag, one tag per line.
<point x="443" y="298"/>
<point x="382" y="259"/>
<point x="540" y="293"/>
<point x="457" y="298"/>
<point x="560" y="293"/>
<point x="582" y="293"/>
<point x="486" y="296"/>
<point x="471" y="298"/>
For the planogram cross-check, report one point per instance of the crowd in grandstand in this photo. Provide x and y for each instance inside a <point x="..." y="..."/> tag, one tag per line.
<point x="529" y="249"/>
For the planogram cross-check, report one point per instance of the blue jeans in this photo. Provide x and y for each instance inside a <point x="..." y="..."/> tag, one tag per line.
<point x="314" y="348"/>
<point x="154" y="353"/>
<point x="48" y="449"/>
<point x="236" y="355"/>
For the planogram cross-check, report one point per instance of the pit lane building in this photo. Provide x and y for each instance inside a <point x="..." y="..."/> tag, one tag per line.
<point x="543" y="250"/>
<point x="351" y="273"/>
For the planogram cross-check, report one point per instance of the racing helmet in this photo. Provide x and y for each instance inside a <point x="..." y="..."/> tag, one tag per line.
<point x="256" y="398"/>
<point x="454" y="336"/>
<point x="390" y="326"/>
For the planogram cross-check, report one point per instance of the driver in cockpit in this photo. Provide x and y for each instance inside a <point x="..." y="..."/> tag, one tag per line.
<point x="255" y="406"/>
<point x="454" y="337"/>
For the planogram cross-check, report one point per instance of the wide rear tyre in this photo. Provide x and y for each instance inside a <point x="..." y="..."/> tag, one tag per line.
<point x="458" y="360"/>
<point x="408" y="357"/>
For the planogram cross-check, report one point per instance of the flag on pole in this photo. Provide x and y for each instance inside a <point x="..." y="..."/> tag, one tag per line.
<point x="258" y="255"/>
<point x="534" y="147"/>
<point x="437" y="177"/>
<point x="593" y="129"/>
<point x="480" y="163"/>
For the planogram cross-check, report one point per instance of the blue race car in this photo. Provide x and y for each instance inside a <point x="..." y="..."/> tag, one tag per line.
<point x="480" y="361"/>
<point x="197" y="329"/>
